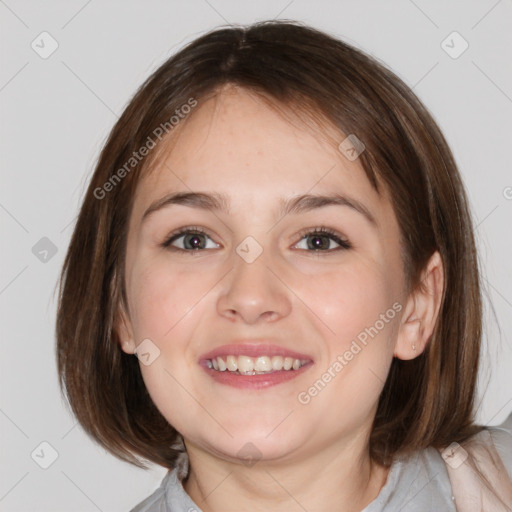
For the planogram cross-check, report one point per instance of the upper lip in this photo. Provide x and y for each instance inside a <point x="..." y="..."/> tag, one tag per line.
<point x="253" y="349"/>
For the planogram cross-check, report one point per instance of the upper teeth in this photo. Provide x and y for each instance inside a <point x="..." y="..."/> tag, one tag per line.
<point x="252" y="365"/>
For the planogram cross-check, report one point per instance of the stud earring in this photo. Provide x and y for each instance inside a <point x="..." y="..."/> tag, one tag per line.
<point x="414" y="347"/>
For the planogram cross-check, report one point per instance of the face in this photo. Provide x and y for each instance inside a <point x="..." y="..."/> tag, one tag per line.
<point x="262" y="285"/>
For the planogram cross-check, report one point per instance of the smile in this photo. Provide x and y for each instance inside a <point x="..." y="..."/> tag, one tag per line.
<point x="246" y="365"/>
<point x="253" y="364"/>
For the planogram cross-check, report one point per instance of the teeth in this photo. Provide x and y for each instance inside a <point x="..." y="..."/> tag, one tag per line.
<point x="277" y="363"/>
<point x="246" y="365"/>
<point x="232" y="363"/>
<point x="263" y="364"/>
<point x="222" y="364"/>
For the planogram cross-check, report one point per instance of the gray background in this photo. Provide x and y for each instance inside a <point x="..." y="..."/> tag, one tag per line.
<point x="56" y="113"/>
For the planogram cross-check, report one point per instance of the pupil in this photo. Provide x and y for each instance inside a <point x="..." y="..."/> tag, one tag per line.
<point x="317" y="242"/>
<point x="195" y="241"/>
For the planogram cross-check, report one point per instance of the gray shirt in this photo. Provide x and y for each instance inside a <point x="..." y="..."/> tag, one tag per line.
<point x="416" y="483"/>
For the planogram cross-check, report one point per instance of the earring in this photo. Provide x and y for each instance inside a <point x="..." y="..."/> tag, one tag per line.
<point x="414" y="347"/>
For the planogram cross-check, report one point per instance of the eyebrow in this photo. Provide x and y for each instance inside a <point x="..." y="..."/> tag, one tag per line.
<point x="293" y="205"/>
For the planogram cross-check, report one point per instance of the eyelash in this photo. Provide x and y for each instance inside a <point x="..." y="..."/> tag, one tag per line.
<point x="327" y="232"/>
<point x="320" y="231"/>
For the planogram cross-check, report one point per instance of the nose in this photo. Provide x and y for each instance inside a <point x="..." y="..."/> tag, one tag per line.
<point x="254" y="292"/>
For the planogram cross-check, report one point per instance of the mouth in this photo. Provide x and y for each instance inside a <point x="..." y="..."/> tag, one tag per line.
<point x="254" y="366"/>
<point x="246" y="365"/>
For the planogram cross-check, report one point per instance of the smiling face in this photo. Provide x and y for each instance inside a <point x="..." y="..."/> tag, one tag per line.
<point x="264" y="281"/>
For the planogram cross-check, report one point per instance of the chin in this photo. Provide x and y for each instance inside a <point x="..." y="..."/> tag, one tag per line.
<point x="251" y="445"/>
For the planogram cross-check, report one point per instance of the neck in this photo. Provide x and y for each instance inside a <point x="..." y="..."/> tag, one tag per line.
<point x="339" y="478"/>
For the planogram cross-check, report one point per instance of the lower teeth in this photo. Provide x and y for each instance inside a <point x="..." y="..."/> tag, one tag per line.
<point x="238" y="372"/>
<point x="254" y="372"/>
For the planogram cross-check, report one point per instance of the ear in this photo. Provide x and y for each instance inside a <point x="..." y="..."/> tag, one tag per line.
<point x="124" y="330"/>
<point x="421" y="311"/>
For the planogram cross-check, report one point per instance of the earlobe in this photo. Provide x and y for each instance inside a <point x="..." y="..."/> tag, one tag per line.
<point x="123" y="329"/>
<point x="421" y="312"/>
<point x="409" y="343"/>
<point x="128" y="347"/>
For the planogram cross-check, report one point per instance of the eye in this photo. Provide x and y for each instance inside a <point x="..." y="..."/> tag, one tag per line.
<point x="193" y="239"/>
<point x="320" y="239"/>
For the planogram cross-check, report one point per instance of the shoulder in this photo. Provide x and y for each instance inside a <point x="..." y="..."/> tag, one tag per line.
<point x="480" y="469"/>
<point x="439" y="480"/>
<point x="417" y="482"/>
<point x="501" y="436"/>
<point x="169" y="497"/>
<point x="156" y="501"/>
<point x="493" y="445"/>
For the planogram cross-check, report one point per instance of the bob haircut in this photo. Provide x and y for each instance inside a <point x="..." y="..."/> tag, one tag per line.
<point x="427" y="401"/>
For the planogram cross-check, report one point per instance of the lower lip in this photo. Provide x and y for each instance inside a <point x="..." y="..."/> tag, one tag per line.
<point x="261" y="381"/>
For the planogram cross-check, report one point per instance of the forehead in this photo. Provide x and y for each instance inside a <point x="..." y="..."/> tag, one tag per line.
<point x="237" y="144"/>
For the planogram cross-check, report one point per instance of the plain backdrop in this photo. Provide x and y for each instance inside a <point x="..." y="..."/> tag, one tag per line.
<point x="56" y="111"/>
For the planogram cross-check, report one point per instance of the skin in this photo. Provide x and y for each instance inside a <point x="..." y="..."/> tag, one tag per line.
<point x="188" y="303"/>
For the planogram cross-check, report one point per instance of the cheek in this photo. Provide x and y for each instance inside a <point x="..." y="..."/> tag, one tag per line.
<point x="164" y="297"/>
<point x="358" y="309"/>
<point x="166" y="307"/>
<point x="349" y="298"/>
<point x="359" y="315"/>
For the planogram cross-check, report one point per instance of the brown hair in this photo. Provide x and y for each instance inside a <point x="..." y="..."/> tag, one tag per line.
<point x="427" y="401"/>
